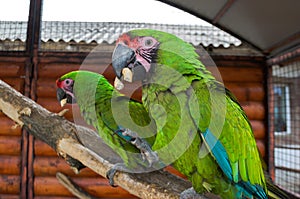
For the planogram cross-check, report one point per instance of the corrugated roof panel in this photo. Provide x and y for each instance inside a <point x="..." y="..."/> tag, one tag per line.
<point x="108" y="32"/>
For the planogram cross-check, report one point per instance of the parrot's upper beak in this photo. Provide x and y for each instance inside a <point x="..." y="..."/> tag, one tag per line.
<point x="63" y="97"/>
<point x="126" y="66"/>
<point x="121" y="58"/>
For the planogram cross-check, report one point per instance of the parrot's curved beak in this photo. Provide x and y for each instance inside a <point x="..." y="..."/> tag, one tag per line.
<point x="121" y="58"/>
<point x="126" y="66"/>
<point x="63" y="97"/>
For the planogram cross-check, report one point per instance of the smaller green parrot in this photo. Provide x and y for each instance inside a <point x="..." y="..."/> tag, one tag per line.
<point x="110" y="112"/>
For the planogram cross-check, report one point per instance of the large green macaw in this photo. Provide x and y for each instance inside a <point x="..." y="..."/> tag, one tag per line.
<point x="112" y="114"/>
<point x="202" y="129"/>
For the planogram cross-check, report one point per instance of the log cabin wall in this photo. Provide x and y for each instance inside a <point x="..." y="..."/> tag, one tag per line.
<point x="12" y="156"/>
<point x="243" y="75"/>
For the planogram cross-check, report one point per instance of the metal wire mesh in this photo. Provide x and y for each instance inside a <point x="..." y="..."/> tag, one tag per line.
<point x="286" y="124"/>
<point x="84" y="36"/>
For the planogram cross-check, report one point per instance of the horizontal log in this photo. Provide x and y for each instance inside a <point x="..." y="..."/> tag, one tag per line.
<point x="10" y="196"/>
<point x="259" y="129"/>
<point x="254" y="110"/>
<point x="10" y="145"/>
<point x="47" y="70"/>
<point x="9" y="184"/>
<point x="46" y="88"/>
<point x="8" y="126"/>
<point x="13" y="57"/>
<point x="77" y="57"/>
<point x="10" y="165"/>
<point x="16" y="82"/>
<point x="98" y="187"/>
<point x="239" y="61"/>
<point x="261" y="147"/>
<point x="239" y="74"/>
<point x="55" y="197"/>
<point x="62" y="57"/>
<point x="51" y="104"/>
<point x="9" y="69"/>
<point x="43" y="149"/>
<point x="49" y="166"/>
<point x="247" y="91"/>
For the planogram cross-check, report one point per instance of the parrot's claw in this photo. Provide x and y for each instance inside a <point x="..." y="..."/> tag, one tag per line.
<point x="110" y="174"/>
<point x="190" y="194"/>
<point x="146" y="152"/>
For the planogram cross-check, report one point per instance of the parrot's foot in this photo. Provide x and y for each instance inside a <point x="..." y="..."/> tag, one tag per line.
<point x="112" y="172"/>
<point x="207" y="186"/>
<point x="190" y="194"/>
<point x="147" y="153"/>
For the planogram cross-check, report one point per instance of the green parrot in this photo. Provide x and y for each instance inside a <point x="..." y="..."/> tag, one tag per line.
<point x="201" y="128"/>
<point x="110" y="112"/>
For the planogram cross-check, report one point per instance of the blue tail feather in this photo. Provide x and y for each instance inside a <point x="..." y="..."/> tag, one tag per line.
<point x="219" y="152"/>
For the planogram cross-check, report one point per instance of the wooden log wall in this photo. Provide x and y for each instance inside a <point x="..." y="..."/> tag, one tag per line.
<point x="244" y="76"/>
<point x="10" y="135"/>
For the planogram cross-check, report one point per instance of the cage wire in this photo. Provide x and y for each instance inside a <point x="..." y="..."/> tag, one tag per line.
<point x="84" y="36"/>
<point x="286" y="124"/>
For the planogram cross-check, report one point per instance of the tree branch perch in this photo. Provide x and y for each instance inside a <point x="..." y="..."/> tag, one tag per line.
<point x="81" y="146"/>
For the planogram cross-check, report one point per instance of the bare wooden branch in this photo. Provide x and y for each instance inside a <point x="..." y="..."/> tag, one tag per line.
<point x="72" y="187"/>
<point x="83" y="147"/>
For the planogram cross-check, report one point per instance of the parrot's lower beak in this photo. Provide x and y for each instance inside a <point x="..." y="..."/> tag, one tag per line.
<point x="127" y="75"/>
<point x="63" y="102"/>
<point x="63" y="97"/>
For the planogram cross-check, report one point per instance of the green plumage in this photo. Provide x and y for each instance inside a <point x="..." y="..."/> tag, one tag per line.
<point x="193" y="101"/>
<point x="107" y="110"/>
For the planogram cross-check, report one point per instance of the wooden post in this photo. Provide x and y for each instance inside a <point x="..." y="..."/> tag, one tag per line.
<point x="32" y="48"/>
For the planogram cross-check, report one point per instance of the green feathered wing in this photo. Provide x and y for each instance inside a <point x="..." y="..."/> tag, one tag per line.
<point x="108" y="110"/>
<point x="189" y="105"/>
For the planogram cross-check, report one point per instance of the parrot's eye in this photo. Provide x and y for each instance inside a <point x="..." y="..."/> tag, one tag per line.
<point x="68" y="82"/>
<point x="148" y="42"/>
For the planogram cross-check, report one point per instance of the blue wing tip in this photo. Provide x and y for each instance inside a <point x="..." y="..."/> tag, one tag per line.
<point x="245" y="188"/>
<point x="252" y="190"/>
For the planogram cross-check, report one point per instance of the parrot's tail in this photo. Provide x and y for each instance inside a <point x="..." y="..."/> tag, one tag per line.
<point x="274" y="191"/>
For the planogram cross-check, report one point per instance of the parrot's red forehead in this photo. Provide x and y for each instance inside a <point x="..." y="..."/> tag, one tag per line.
<point x="58" y="83"/>
<point x="128" y="40"/>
